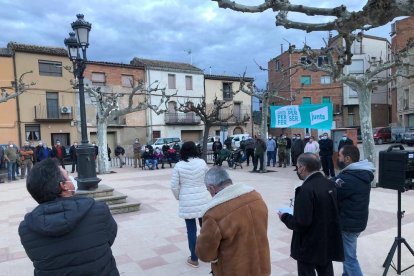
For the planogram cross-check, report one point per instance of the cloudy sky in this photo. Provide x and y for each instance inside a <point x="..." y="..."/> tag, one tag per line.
<point x="218" y="41"/>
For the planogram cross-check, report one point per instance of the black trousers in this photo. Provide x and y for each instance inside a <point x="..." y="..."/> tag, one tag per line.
<point x="305" y="269"/>
<point x="249" y="153"/>
<point x="327" y="165"/>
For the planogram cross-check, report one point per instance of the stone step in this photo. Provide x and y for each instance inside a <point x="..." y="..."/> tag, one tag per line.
<point x="102" y="191"/>
<point x="129" y="206"/>
<point x="115" y="198"/>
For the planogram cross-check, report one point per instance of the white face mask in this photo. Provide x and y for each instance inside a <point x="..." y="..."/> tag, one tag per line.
<point x="75" y="183"/>
<point x="11" y="146"/>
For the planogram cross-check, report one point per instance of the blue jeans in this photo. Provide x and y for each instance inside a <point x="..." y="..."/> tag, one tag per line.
<point x="271" y="155"/>
<point x="11" y="170"/>
<point x="191" y="225"/>
<point x="351" y="264"/>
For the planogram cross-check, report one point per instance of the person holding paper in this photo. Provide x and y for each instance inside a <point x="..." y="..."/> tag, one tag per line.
<point x="316" y="239"/>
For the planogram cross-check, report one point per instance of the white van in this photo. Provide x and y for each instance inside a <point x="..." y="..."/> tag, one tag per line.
<point x="169" y="140"/>
<point x="236" y="138"/>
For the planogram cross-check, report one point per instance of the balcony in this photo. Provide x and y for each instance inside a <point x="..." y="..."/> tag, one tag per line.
<point x="181" y="119"/>
<point x="238" y="117"/>
<point x="57" y="114"/>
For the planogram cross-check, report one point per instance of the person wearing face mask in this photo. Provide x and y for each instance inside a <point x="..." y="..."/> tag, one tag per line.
<point x="119" y="154"/>
<point x="73" y="156"/>
<point x="58" y="152"/>
<point x="159" y="156"/>
<point x="43" y="151"/>
<point x="66" y="234"/>
<point x="312" y="146"/>
<point x="354" y="186"/>
<point x="344" y="141"/>
<point x="316" y="239"/>
<point x="325" y="154"/>
<point x="281" y="150"/>
<point x="26" y="159"/>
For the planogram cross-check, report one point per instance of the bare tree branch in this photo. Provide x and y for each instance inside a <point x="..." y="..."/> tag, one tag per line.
<point x="17" y="88"/>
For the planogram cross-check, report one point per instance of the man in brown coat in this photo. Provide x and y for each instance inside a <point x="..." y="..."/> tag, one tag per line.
<point x="234" y="232"/>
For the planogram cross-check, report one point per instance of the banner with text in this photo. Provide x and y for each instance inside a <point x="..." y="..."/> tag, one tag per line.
<point x="317" y="116"/>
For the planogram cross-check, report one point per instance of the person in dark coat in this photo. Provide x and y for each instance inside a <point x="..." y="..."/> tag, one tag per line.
<point x="228" y="143"/>
<point x="344" y="141"/>
<point x="119" y="154"/>
<point x="325" y="154"/>
<point x="73" y="156"/>
<point x="316" y="239"/>
<point x="297" y="148"/>
<point x="216" y="147"/>
<point x="354" y="186"/>
<point x="66" y="234"/>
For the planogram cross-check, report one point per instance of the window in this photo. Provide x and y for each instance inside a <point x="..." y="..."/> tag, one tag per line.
<point x="325" y="79"/>
<point x="156" y="134"/>
<point x="171" y="81"/>
<point x="326" y="99"/>
<point x="305" y="60"/>
<point x="227" y="91"/>
<point x="357" y="48"/>
<point x="32" y="132"/>
<point x="277" y="65"/>
<point x="188" y="83"/>
<point x="306" y="100"/>
<point x="356" y="67"/>
<point x="127" y="80"/>
<point x="305" y="80"/>
<point x="98" y="79"/>
<point x="52" y="105"/>
<point x="50" y="68"/>
<point x="322" y="60"/>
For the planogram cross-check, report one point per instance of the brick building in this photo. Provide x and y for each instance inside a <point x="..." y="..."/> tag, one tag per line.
<point x="402" y="93"/>
<point x="303" y="87"/>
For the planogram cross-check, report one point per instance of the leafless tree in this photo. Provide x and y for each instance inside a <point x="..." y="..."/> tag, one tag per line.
<point x="364" y="84"/>
<point x="212" y="115"/>
<point x="374" y="13"/>
<point x="108" y="108"/>
<point x="18" y="88"/>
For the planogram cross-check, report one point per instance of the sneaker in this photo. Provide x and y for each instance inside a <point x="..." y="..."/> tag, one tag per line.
<point x="192" y="263"/>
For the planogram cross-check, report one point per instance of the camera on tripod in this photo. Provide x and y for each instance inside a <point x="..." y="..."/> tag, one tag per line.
<point x="396" y="169"/>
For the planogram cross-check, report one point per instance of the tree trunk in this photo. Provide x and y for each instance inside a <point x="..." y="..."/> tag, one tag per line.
<point x="103" y="163"/>
<point x="263" y="127"/>
<point x="364" y="96"/>
<point x="205" y="140"/>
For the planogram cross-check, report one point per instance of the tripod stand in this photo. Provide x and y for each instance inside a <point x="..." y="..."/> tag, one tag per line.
<point x="397" y="245"/>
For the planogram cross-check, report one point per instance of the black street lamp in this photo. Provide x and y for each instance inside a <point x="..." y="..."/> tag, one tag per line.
<point x="79" y="41"/>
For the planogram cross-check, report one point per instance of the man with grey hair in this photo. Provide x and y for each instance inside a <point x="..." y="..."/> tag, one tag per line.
<point x="234" y="233"/>
<point x="316" y="239"/>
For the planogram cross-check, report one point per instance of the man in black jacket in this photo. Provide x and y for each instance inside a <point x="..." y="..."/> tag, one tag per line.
<point x="297" y="148"/>
<point x="353" y="185"/>
<point x="325" y="154"/>
<point x="316" y="239"/>
<point x="344" y="141"/>
<point x="119" y="154"/>
<point x="65" y="234"/>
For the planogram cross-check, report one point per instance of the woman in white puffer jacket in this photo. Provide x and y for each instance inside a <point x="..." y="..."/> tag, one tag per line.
<point x="187" y="185"/>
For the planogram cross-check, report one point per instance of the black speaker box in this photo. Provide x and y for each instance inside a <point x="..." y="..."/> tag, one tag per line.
<point x="396" y="169"/>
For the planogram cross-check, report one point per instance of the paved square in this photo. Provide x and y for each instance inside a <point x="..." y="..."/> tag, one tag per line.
<point x="153" y="241"/>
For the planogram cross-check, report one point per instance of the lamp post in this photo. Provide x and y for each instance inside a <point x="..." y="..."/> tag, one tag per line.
<point x="77" y="43"/>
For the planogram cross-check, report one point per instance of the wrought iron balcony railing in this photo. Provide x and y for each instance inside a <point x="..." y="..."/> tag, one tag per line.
<point x="53" y="113"/>
<point x="176" y="118"/>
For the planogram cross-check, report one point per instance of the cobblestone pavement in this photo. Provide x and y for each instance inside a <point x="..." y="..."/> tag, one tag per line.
<point x="153" y="241"/>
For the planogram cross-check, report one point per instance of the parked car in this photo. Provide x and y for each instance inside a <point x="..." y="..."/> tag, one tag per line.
<point x="236" y="139"/>
<point x="408" y="137"/>
<point x="159" y="142"/>
<point x="210" y="141"/>
<point x="382" y="135"/>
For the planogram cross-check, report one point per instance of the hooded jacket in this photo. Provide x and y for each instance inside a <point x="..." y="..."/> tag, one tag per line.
<point x="234" y="233"/>
<point x="70" y="236"/>
<point x="354" y="189"/>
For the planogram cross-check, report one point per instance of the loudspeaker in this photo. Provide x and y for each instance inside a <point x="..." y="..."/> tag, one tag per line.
<point x="396" y="169"/>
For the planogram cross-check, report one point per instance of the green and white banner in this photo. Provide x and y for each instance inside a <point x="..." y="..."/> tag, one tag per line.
<point x="317" y="116"/>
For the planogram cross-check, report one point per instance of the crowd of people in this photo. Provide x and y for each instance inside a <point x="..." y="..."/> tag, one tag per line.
<point x="329" y="211"/>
